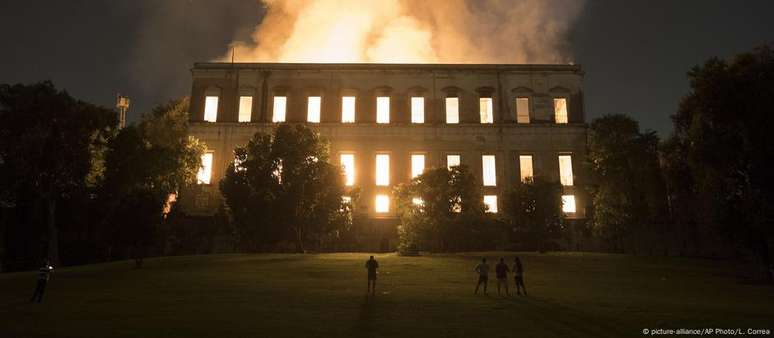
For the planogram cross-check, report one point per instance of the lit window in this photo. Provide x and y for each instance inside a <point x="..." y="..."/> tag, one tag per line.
<point x="210" y="108"/>
<point x="452" y="110"/>
<point x="417" y="165"/>
<point x="382" y="204"/>
<point x="313" y="109"/>
<point x="485" y="109"/>
<point x="280" y="105"/>
<point x="522" y="110"/>
<point x="568" y="204"/>
<point x="277" y="173"/>
<point x="346" y="199"/>
<point x="348" y="163"/>
<point x="383" y="109"/>
<point x="382" y="169"/>
<point x="238" y="164"/>
<point x="560" y="110"/>
<point x="417" y="110"/>
<point x="348" y="109"/>
<point x="245" y="108"/>
<point x="205" y="170"/>
<point x="525" y="168"/>
<point x="453" y="161"/>
<point x="488" y="170"/>
<point x="565" y="169"/>
<point x="491" y="203"/>
<point x="417" y="201"/>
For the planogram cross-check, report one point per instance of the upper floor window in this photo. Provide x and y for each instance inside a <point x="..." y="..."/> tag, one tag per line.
<point x="488" y="170"/>
<point x="452" y="110"/>
<point x="417" y="165"/>
<point x="313" y="109"/>
<point x="560" y="110"/>
<point x="418" y="109"/>
<point x="485" y="110"/>
<point x="382" y="169"/>
<point x="525" y="168"/>
<point x="565" y="170"/>
<point x="522" y="110"/>
<point x="347" y="109"/>
<point x="348" y="164"/>
<point x="245" y="108"/>
<point x="280" y="107"/>
<point x="383" y="109"/>
<point x="210" y="108"/>
<point x="453" y="161"/>
<point x="204" y="176"/>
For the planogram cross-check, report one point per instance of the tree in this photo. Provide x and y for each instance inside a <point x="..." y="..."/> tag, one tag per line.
<point x="723" y="133"/>
<point x="144" y="164"/>
<point x="534" y="210"/>
<point x="284" y="188"/>
<point x="628" y="192"/>
<point x="48" y="141"/>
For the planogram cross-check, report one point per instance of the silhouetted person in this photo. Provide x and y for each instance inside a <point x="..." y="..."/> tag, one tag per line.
<point x="518" y="276"/>
<point x="372" y="265"/>
<point x="483" y="275"/>
<point x="501" y="269"/>
<point x="43" y="274"/>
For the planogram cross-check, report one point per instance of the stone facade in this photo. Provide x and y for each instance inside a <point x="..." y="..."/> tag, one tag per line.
<point x="542" y="138"/>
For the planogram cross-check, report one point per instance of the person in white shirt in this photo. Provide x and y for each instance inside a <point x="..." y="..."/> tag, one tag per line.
<point x="483" y="275"/>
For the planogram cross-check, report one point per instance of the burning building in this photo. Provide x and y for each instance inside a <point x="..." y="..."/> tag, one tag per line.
<point x="386" y="123"/>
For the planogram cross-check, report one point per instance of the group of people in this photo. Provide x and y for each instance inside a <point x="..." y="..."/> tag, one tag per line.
<point x="501" y="270"/>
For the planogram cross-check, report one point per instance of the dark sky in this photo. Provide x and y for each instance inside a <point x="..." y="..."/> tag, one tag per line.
<point x="635" y="53"/>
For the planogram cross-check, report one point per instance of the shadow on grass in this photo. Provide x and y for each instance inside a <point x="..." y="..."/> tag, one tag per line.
<point x="565" y="319"/>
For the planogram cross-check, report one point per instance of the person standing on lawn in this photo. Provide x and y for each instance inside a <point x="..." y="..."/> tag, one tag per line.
<point x="518" y="276"/>
<point x="483" y="274"/>
<point x="372" y="265"/>
<point x="43" y="275"/>
<point x="501" y="269"/>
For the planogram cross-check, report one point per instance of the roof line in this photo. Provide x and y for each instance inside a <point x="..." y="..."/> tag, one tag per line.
<point x="386" y="66"/>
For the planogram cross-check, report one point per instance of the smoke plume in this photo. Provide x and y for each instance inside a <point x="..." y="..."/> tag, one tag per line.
<point x="405" y="31"/>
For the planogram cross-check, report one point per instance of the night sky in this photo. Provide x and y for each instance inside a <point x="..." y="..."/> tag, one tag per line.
<point x="635" y="53"/>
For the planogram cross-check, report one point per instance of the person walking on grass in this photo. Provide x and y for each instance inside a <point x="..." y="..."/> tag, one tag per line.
<point x="501" y="269"/>
<point x="483" y="275"/>
<point x="518" y="276"/>
<point x="372" y="265"/>
<point x="43" y="274"/>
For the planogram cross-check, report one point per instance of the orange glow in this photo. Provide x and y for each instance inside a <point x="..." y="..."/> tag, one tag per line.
<point x="348" y="162"/>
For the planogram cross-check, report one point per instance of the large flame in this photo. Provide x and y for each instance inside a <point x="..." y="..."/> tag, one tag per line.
<point x="403" y="31"/>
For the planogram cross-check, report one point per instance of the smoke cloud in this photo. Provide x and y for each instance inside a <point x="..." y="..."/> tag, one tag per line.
<point x="404" y="31"/>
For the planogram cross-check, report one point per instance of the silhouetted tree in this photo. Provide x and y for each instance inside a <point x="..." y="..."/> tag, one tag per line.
<point x="534" y="210"/>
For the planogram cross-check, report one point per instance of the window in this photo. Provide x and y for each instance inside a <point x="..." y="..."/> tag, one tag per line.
<point x="568" y="204"/>
<point x="417" y="110"/>
<point x="565" y="169"/>
<point x="277" y="173"/>
<point x="313" y="109"/>
<point x="525" y="168"/>
<point x="210" y="108"/>
<point x="348" y="164"/>
<point x="417" y="165"/>
<point x="382" y="169"/>
<point x="452" y="110"/>
<point x="453" y="161"/>
<point x="280" y="105"/>
<point x="485" y="110"/>
<point x="346" y="199"/>
<point x="245" y="108"/>
<point x="382" y="204"/>
<point x="560" y="110"/>
<point x="488" y="170"/>
<point x="205" y="171"/>
<point x="522" y="110"/>
<point x="383" y="109"/>
<point x="238" y="164"/>
<point x="491" y="203"/>
<point x="348" y="109"/>
<point x="418" y="202"/>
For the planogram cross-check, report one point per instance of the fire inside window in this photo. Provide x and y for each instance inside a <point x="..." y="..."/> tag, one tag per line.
<point x="245" y="108"/>
<point x="522" y="110"/>
<point x="313" y="109"/>
<point x="568" y="204"/>
<point x="453" y="161"/>
<point x="211" y="108"/>
<point x="418" y="202"/>
<point x="417" y="110"/>
<point x="348" y="163"/>
<point x="485" y="110"/>
<point x="565" y="170"/>
<point x="382" y="204"/>
<point x="280" y="105"/>
<point x="525" y="168"/>
<point x="488" y="170"/>
<point x="452" y="110"/>
<point x="491" y="203"/>
<point x="382" y="170"/>
<point x="204" y="176"/>
<point x="348" y="109"/>
<point x="417" y="165"/>
<point x="383" y="109"/>
<point x="560" y="110"/>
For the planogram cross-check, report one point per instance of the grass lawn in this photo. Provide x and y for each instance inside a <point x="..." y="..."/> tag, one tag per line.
<point x="278" y="295"/>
